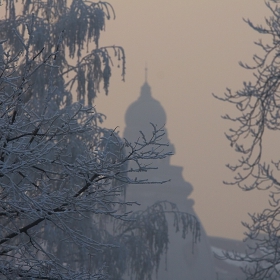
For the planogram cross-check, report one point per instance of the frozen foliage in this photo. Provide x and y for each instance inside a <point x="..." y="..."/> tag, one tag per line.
<point x="62" y="176"/>
<point x="81" y="23"/>
<point x="53" y="177"/>
<point x="258" y="104"/>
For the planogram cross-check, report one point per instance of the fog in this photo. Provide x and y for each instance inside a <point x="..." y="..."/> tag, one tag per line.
<point x="191" y="49"/>
<point x="178" y="56"/>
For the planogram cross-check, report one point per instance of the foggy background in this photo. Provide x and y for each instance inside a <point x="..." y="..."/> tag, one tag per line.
<point x="192" y="49"/>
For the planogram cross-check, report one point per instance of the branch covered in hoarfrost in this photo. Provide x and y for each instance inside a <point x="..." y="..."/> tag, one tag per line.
<point x="258" y="107"/>
<point x="57" y="168"/>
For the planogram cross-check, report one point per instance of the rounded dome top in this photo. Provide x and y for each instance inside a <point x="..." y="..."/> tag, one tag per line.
<point x="145" y="110"/>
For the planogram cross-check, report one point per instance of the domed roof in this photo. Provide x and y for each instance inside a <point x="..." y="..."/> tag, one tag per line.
<point x="141" y="114"/>
<point x="144" y="111"/>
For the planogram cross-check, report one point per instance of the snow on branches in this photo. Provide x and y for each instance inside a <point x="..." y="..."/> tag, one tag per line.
<point x="258" y="105"/>
<point x="56" y="169"/>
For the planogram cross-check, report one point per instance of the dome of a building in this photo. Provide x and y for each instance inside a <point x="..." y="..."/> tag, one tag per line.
<point x="140" y="116"/>
<point x="145" y="110"/>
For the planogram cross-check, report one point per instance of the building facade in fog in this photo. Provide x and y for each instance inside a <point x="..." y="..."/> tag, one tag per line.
<point x="184" y="260"/>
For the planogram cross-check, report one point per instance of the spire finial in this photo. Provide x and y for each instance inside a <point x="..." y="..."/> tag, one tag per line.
<point x="146" y="73"/>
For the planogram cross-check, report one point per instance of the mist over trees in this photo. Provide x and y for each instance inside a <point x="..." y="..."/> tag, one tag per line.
<point x="63" y="213"/>
<point x="258" y="107"/>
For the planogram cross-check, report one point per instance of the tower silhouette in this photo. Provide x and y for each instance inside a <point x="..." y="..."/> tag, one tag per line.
<point x="184" y="261"/>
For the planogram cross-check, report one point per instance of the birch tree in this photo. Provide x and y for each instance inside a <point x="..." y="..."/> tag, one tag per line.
<point x="63" y="176"/>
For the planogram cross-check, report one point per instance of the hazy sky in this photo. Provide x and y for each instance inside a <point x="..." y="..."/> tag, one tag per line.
<point x="192" y="49"/>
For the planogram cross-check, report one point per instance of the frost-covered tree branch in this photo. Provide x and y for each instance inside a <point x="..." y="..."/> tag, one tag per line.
<point x="79" y="68"/>
<point x="56" y="166"/>
<point x="258" y="109"/>
<point x="63" y="177"/>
